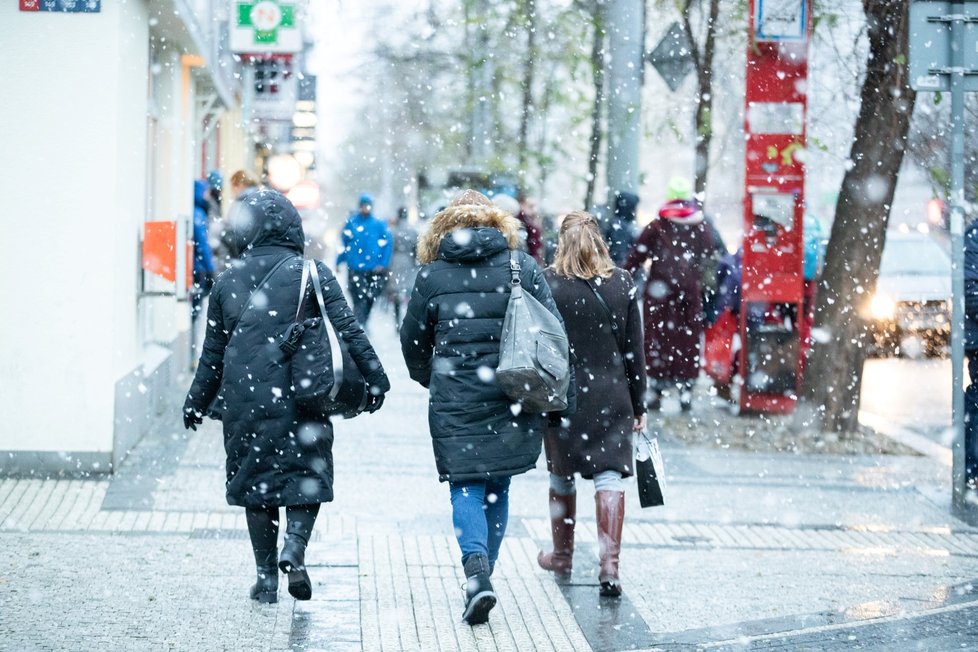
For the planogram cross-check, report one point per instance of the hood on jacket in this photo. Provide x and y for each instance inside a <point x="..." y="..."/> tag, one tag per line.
<point x="682" y="211"/>
<point x="471" y="245"/>
<point x="470" y="212"/>
<point x="274" y="221"/>
<point x="626" y="205"/>
<point x="200" y="193"/>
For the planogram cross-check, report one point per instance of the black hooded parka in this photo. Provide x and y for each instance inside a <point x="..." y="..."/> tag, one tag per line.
<point x="450" y="341"/>
<point x="272" y="459"/>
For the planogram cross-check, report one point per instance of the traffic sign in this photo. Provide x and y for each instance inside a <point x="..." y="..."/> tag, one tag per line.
<point x="672" y="57"/>
<point x="930" y="41"/>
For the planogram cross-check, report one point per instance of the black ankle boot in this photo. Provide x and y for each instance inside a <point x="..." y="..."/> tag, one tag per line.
<point x="479" y="596"/>
<point x="265" y="589"/>
<point x="292" y="561"/>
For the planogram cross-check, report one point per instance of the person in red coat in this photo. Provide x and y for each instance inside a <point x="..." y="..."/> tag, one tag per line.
<point x="677" y="244"/>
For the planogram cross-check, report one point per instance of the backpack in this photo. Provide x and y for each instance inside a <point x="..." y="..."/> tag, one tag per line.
<point x="534" y="353"/>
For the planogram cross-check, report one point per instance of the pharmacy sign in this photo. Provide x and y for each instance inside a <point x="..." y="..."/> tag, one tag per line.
<point x="261" y="26"/>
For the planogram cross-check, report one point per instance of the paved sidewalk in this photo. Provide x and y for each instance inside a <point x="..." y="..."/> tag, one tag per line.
<point x="753" y="551"/>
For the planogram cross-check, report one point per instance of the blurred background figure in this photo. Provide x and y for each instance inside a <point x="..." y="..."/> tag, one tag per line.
<point x="971" y="348"/>
<point x="404" y="264"/>
<point x="621" y="227"/>
<point x="215" y="194"/>
<point x="366" y="251"/>
<point x="677" y="244"/>
<point x="238" y="221"/>
<point x="527" y="215"/>
<point x="203" y="257"/>
<point x="680" y="192"/>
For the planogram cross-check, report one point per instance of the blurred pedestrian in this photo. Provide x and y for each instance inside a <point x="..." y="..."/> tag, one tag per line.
<point x="273" y="460"/>
<point x="676" y="244"/>
<point x="621" y="227"/>
<point x="527" y="215"/>
<point x="404" y="264"/>
<point x="604" y="325"/>
<point x="203" y="269"/>
<point x="215" y="193"/>
<point x="679" y="191"/>
<point x="367" y="249"/>
<point x="239" y="220"/>
<point x="450" y="341"/>
<point x="971" y="350"/>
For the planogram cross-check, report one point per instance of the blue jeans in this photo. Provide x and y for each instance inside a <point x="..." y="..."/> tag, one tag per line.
<point x="480" y="510"/>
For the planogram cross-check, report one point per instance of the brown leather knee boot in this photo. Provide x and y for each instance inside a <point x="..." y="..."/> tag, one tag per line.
<point x="563" y="509"/>
<point x="610" y="511"/>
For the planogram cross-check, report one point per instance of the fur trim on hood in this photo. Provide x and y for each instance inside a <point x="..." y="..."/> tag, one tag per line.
<point x="469" y="210"/>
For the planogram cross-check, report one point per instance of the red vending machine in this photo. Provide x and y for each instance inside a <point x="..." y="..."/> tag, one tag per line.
<point x="772" y="290"/>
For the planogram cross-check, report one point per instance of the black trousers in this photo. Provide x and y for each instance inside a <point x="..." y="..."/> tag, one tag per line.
<point x="263" y="526"/>
<point x="364" y="288"/>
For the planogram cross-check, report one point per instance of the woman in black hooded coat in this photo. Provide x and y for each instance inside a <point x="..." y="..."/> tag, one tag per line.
<point x="273" y="460"/>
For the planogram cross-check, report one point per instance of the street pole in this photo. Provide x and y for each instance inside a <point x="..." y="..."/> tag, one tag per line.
<point x="481" y="84"/>
<point x="961" y="445"/>
<point x="624" y="72"/>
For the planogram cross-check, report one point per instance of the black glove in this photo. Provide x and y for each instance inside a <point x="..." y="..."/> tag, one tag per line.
<point x="374" y="401"/>
<point x="192" y="417"/>
<point x="553" y="419"/>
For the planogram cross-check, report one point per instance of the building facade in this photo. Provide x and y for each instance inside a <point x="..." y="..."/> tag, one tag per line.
<point x="103" y="145"/>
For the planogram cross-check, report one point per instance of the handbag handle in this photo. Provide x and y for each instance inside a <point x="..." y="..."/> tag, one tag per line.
<point x="309" y="271"/>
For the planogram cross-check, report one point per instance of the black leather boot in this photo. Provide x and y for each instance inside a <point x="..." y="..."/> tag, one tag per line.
<point x="292" y="561"/>
<point x="479" y="595"/>
<point x="265" y="589"/>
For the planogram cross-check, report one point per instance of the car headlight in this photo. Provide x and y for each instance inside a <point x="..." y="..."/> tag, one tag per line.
<point x="882" y="307"/>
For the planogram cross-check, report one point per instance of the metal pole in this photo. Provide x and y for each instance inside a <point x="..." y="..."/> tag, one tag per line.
<point x="481" y="84"/>
<point x="961" y="446"/>
<point x="625" y="48"/>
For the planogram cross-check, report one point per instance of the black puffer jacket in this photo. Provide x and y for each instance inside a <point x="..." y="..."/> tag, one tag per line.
<point x="450" y="340"/>
<point x="271" y="459"/>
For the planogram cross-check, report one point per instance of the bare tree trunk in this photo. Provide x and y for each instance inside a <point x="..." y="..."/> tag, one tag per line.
<point x="597" y="72"/>
<point x="703" y="64"/>
<point x="832" y="384"/>
<point x="530" y="23"/>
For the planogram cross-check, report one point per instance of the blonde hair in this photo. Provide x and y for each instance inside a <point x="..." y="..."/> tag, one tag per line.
<point x="581" y="250"/>
<point x="244" y="179"/>
<point x="469" y="210"/>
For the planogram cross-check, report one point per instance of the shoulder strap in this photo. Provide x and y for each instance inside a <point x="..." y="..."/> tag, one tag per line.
<point x="611" y="316"/>
<point x="260" y="285"/>
<point x="515" y="288"/>
<point x="316" y="285"/>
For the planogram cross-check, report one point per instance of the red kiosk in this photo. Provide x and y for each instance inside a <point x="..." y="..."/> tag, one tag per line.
<point x="772" y="290"/>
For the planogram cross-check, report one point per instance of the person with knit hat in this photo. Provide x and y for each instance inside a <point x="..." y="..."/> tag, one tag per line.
<point x="367" y="248"/>
<point x="680" y="189"/>
<point x="675" y="246"/>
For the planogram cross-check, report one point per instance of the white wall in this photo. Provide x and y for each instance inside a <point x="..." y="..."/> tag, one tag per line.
<point x="72" y="121"/>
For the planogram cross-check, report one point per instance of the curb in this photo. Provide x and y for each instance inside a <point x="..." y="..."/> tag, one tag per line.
<point x="919" y="443"/>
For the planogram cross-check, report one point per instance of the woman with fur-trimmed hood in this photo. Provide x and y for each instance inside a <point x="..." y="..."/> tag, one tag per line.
<point x="450" y="340"/>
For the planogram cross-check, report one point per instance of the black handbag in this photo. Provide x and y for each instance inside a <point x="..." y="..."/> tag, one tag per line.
<point x="326" y="381"/>
<point x="649" y="472"/>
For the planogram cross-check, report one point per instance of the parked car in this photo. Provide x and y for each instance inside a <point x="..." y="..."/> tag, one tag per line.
<point x="913" y="295"/>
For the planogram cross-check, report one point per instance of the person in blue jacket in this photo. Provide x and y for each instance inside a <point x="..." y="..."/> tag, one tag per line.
<point x="366" y="250"/>
<point x="203" y="258"/>
<point x="971" y="350"/>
